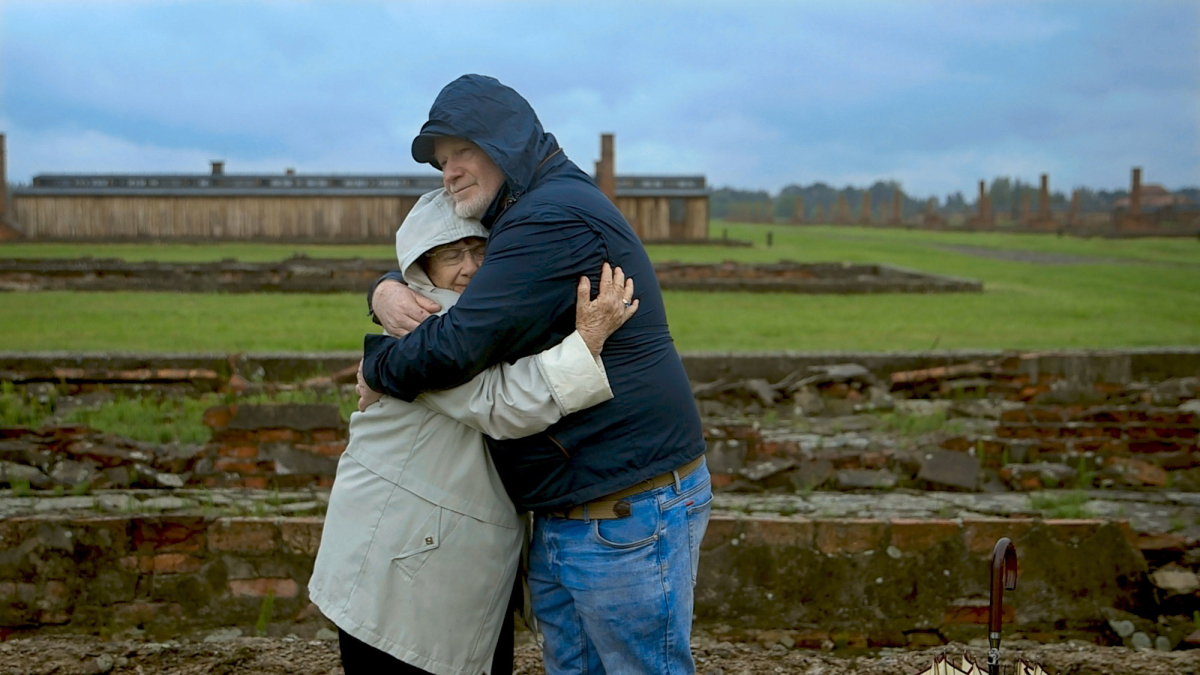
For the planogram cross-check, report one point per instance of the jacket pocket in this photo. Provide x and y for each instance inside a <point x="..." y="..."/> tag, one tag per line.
<point x="560" y="446"/>
<point x="425" y="537"/>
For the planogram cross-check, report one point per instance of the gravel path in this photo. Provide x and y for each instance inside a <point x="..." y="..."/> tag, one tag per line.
<point x="268" y="656"/>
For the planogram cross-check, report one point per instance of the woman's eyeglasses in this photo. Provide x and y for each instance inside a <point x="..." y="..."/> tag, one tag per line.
<point x="449" y="256"/>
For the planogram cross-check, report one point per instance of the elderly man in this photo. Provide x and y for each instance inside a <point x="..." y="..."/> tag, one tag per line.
<point x="620" y="491"/>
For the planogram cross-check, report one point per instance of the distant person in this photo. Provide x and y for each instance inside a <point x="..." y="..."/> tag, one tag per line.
<point x="620" y="490"/>
<point x="421" y="543"/>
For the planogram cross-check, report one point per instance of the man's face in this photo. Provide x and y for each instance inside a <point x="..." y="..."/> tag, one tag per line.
<point x="471" y="178"/>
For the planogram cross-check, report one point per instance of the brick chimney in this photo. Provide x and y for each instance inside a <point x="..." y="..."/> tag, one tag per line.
<point x="985" y="205"/>
<point x="606" y="171"/>
<point x="1044" y="199"/>
<point x="7" y="226"/>
<point x="3" y="181"/>
<point x="1135" y="194"/>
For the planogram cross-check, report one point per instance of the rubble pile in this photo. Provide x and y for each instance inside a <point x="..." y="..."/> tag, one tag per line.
<point x="301" y="274"/>
<point x="793" y="277"/>
<point x="276" y="446"/>
<point x="252" y="446"/>
<point x="970" y="427"/>
<point x="83" y="459"/>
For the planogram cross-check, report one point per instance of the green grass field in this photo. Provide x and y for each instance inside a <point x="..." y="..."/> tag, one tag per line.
<point x="1099" y="293"/>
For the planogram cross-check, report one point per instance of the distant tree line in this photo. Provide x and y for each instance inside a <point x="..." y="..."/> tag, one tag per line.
<point x="821" y="200"/>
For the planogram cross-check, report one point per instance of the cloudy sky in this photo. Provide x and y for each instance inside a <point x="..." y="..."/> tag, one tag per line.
<point x="754" y="95"/>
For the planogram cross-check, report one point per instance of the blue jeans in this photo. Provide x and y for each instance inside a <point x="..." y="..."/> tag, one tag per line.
<point x="615" y="596"/>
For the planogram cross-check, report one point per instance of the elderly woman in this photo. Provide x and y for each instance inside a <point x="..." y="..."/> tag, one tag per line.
<point x="421" y="543"/>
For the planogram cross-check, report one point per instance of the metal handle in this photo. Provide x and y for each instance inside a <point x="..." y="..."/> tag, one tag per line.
<point x="1004" y="577"/>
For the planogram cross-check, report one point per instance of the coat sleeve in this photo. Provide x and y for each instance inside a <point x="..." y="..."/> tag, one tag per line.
<point x="510" y="309"/>
<point x="523" y="398"/>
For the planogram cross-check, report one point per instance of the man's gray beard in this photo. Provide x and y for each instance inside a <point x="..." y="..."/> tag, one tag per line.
<point x="472" y="208"/>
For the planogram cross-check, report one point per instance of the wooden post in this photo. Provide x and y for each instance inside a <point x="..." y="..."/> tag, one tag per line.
<point x="864" y="211"/>
<point x="606" y="168"/>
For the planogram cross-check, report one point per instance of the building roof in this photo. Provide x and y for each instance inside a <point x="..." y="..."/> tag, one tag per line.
<point x="231" y="185"/>
<point x="303" y="185"/>
<point x="1154" y="197"/>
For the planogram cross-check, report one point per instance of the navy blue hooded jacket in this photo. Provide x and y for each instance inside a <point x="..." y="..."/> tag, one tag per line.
<point x="549" y="226"/>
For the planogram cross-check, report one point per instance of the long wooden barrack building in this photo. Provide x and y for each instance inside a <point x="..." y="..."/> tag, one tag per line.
<point x="295" y="207"/>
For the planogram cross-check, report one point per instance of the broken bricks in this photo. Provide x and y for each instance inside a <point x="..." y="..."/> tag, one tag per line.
<point x="948" y="469"/>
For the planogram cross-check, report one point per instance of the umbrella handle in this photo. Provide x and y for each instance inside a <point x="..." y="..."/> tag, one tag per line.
<point x="1004" y="577"/>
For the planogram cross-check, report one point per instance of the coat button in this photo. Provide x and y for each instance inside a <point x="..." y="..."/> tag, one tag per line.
<point x="429" y="541"/>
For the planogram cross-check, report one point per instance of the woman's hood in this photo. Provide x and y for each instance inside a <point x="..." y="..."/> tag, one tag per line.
<point x="431" y="223"/>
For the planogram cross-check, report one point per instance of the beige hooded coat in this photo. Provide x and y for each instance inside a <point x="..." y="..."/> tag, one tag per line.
<point x="420" y="545"/>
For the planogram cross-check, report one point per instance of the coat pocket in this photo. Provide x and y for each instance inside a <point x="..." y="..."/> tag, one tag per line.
<point x="424" y="538"/>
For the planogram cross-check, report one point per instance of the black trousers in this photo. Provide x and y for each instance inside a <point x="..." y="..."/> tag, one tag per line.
<point x="360" y="658"/>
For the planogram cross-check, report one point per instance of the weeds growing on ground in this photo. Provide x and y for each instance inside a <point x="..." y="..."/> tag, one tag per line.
<point x="153" y="419"/>
<point x="915" y="425"/>
<point x="264" y="614"/>
<point x="19" y="409"/>
<point x="1085" y="477"/>
<point x="1069" y="504"/>
<point x="20" y="487"/>
<point x="160" y="418"/>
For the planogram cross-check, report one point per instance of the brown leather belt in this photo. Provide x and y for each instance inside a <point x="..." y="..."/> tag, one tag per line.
<point x="614" y="506"/>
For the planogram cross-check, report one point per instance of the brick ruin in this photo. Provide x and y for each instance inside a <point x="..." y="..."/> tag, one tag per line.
<point x="814" y="530"/>
<point x="172" y="575"/>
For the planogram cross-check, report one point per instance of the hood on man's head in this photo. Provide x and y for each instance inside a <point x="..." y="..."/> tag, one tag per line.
<point x="494" y="117"/>
<point x="431" y="223"/>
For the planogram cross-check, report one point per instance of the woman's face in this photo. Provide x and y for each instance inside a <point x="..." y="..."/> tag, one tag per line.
<point x="452" y="265"/>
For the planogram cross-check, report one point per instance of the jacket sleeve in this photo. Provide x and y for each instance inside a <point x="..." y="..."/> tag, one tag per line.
<point x="526" y="397"/>
<point x="525" y="287"/>
<point x="394" y="275"/>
